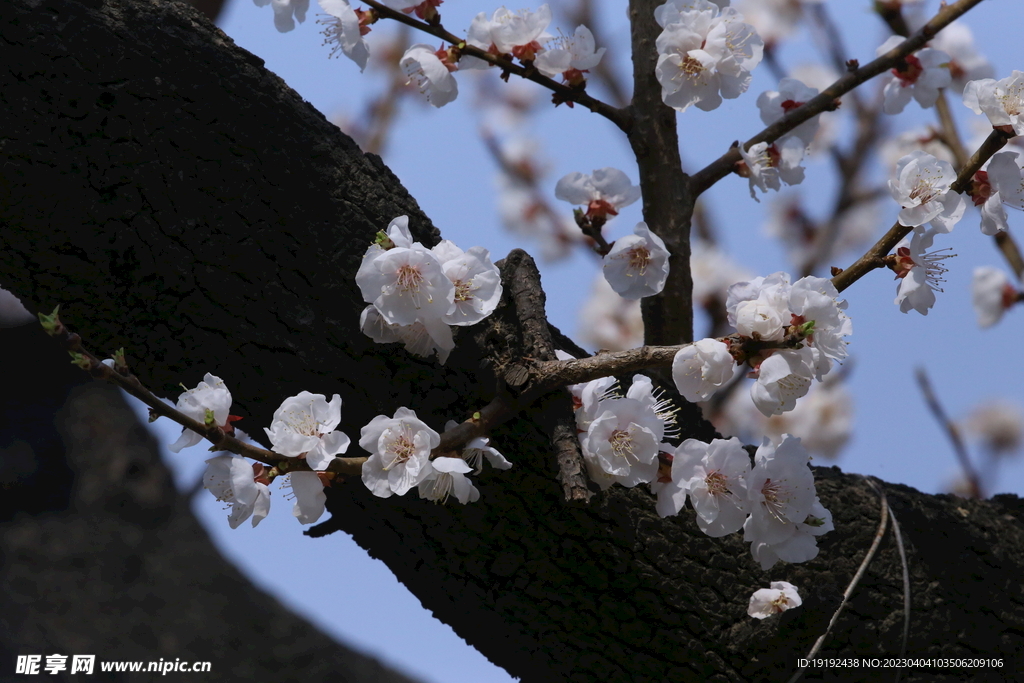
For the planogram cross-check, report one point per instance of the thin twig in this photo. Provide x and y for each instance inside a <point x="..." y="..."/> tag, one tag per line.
<point x="950" y="134"/>
<point x="828" y="99"/>
<point x="906" y="588"/>
<point x="959" y="447"/>
<point x="879" y="534"/>
<point x="874" y="256"/>
<point x="563" y="93"/>
<point x="213" y="433"/>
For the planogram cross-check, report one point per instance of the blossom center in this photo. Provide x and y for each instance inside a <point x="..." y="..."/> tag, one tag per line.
<point x="909" y="74"/>
<point x="463" y="291"/>
<point x="790" y="105"/>
<point x="401" y="449"/>
<point x="717" y="483"/>
<point x="1012" y="101"/>
<point x="622" y="445"/>
<point x="924" y="191"/>
<point x="691" y="68"/>
<point x="409" y="278"/>
<point x="639" y="257"/>
<point x="774" y="498"/>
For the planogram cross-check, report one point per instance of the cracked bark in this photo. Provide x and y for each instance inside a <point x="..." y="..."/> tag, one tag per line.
<point x="180" y="201"/>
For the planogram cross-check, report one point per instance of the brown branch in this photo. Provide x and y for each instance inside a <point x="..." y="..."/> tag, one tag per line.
<point x="668" y="199"/>
<point x="1011" y="252"/>
<point x="874" y="256"/>
<point x="950" y="136"/>
<point x="973" y="481"/>
<point x="1004" y="240"/>
<point x="583" y="13"/>
<point x="563" y="93"/>
<point x="214" y="434"/>
<point x="827" y="100"/>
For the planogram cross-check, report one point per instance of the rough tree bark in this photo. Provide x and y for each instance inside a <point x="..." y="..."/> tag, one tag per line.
<point x="180" y="201"/>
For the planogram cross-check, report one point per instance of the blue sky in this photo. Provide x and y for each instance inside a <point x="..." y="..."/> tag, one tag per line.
<point x="441" y="160"/>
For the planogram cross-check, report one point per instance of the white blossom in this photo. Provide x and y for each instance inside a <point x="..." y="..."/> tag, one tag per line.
<point x="801" y="546"/>
<point x="478" y="449"/>
<point x="637" y="264"/>
<point x="409" y="284"/>
<point x="816" y="299"/>
<point x="624" y="439"/>
<point x="286" y="12"/>
<point x="519" y="33"/>
<point x="432" y="74"/>
<point x="920" y="272"/>
<point x="767" y="166"/>
<point x="231" y="479"/>
<point x="991" y="295"/>
<point x="999" y="183"/>
<point x="449" y="479"/>
<point x="603" y="193"/>
<point x="210" y="394"/>
<point x="716" y="476"/>
<point x="569" y="56"/>
<point x="790" y="95"/>
<point x="705" y="53"/>
<point x="773" y="293"/>
<point x="399" y="450"/>
<point x="422" y="338"/>
<point x="477" y="282"/>
<point x="782" y="378"/>
<point x="304" y="426"/>
<point x="921" y="76"/>
<point x="1001" y="101"/>
<point x="343" y="28"/>
<point x="766" y="602"/>
<point x="785" y="513"/>
<point x="699" y="369"/>
<point x="965" y="64"/>
<point x="922" y="188"/>
<point x="310" y="498"/>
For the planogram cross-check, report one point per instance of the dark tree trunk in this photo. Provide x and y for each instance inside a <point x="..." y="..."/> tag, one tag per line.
<point x="182" y="202"/>
<point x="101" y="555"/>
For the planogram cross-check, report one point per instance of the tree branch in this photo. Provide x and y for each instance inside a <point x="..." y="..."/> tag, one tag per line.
<point x="827" y="100"/>
<point x="667" y="195"/>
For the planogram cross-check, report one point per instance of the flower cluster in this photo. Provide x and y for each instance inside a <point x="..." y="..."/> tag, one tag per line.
<point x="705" y="53"/>
<point x="1001" y="101"/>
<point x="774" y="502"/>
<point x="416" y="293"/>
<point x="922" y="187"/>
<point x="400" y="459"/>
<point x="920" y="76"/>
<point x="621" y="436"/>
<point x="766" y="602"/>
<point x="788" y="334"/>
<point x="303" y="427"/>
<point x="767" y="165"/>
<point x="513" y="35"/>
